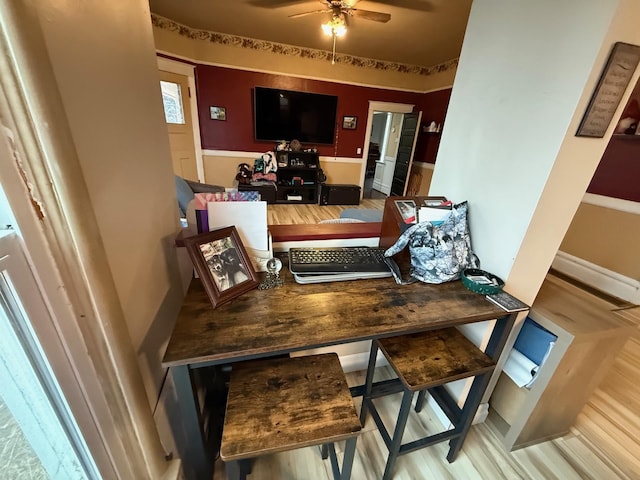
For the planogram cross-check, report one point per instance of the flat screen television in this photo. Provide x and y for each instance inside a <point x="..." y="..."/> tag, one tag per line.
<point x="288" y="115"/>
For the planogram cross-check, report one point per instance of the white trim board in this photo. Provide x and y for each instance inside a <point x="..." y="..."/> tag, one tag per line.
<point x="598" y="277"/>
<point x="613" y="203"/>
<point x="243" y="154"/>
<point x="424" y="165"/>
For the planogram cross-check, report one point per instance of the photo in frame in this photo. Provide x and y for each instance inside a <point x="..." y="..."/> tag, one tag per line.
<point x="222" y="264"/>
<point x="218" y="113"/>
<point x="349" y="123"/>
<point x="407" y="209"/>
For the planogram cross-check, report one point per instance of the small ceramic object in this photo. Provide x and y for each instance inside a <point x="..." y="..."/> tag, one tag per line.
<point x="272" y="278"/>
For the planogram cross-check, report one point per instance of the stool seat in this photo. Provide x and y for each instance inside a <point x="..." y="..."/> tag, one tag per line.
<point x="426" y="359"/>
<point x="425" y="362"/>
<point x="283" y="404"/>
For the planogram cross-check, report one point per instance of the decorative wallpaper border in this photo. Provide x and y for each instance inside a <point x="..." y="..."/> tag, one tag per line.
<point x="291" y="50"/>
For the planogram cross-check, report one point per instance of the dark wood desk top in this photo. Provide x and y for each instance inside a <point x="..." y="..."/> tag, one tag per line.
<point x="298" y="317"/>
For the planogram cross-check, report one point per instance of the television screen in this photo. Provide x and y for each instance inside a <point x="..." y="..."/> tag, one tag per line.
<point x="288" y="115"/>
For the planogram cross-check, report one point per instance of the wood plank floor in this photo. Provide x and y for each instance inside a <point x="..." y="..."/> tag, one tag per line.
<point x="285" y="214"/>
<point x="604" y="443"/>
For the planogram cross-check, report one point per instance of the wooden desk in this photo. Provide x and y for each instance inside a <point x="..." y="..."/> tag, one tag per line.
<point x="263" y="323"/>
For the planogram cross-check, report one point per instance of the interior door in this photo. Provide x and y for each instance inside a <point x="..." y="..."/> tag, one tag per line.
<point x="177" y="108"/>
<point x="406" y="149"/>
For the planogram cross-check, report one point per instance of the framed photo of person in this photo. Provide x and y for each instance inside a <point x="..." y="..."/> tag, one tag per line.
<point x="222" y="264"/>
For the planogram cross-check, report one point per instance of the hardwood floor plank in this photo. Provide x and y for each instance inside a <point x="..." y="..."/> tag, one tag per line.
<point x="284" y="214"/>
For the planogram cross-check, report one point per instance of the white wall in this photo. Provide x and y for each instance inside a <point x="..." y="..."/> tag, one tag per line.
<point x="521" y="75"/>
<point x="525" y="76"/>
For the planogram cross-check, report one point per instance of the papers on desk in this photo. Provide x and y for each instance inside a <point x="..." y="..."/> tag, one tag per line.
<point x="434" y="212"/>
<point x="531" y="350"/>
<point x="250" y="220"/>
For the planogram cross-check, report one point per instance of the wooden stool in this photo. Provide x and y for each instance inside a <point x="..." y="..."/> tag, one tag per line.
<point x="287" y="403"/>
<point x="425" y="362"/>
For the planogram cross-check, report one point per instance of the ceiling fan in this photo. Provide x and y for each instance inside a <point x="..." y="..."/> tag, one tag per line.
<point x="342" y="9"/>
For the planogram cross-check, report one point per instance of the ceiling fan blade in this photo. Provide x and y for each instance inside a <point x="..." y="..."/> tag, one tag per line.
<point x="278" y="3"/>
<point x="304" y="14"/>
<point x="419" y="5"/>
<point x="369" y="15"/>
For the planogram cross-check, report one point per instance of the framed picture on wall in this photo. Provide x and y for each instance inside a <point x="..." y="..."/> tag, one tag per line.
<point x="349" y="123"/>
<point x="218" y="113"/>
<point x="615" y="77"/>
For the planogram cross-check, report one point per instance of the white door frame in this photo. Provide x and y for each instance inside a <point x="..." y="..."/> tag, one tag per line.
<point x="375" y="106"/>
<point x="172" y="66"/>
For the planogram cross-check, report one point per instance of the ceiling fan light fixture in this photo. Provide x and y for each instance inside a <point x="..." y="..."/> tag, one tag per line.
<point x="335" y="27"/>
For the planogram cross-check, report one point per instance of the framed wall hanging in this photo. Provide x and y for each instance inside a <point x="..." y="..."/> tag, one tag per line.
<point x="613" y="82"/>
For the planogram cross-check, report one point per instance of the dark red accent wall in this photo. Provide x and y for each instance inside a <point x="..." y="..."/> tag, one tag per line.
<point x="616" y="176"/>
<point x="434" y="108"/>
<point x="232" y="89"/>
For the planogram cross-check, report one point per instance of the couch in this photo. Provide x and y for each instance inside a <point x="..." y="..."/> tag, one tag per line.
<point x="186" y="190"/>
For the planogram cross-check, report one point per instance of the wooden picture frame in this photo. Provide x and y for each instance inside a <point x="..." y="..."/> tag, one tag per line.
<point x="222" y="264"/>
<point x="349" y="122"/>
<point x="407" y="209"/>
<point x="218" y="113"/>
<point x="610" y="89"/>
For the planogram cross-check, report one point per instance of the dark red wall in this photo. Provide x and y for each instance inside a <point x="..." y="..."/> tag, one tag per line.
<point x="232" y="89"/>
<point x="617" y="175"/>
<point x="434" y="108"/>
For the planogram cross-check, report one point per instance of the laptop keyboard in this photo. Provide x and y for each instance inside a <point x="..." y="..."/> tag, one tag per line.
<point x="337" y="260"/>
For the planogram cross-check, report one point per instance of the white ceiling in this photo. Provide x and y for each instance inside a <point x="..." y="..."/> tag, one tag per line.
<point x="420" y="32"/>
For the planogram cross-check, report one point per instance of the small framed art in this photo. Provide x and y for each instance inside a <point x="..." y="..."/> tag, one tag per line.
<point x="349" y="123"/>
<point x="218" y="113"/>
<point x="222" y="264"/>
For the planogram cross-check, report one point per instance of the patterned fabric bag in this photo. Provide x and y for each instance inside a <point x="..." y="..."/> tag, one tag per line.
<point x="439" y="253"/>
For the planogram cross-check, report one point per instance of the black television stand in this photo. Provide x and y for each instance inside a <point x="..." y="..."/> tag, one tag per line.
<point x="298" y="180"/>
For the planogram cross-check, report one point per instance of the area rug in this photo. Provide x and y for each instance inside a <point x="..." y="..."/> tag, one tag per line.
<point x="362" y="214"/>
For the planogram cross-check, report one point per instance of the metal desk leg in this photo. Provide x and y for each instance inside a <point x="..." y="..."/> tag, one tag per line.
<point x="369" y="381"/>
<point x="499" y="335"/>
<point x="498" y="339"/>
<point x="469" y="410"/>
<point x="187" y="430"/>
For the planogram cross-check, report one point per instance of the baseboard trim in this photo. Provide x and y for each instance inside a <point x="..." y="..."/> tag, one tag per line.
<point x="598" y="277"/>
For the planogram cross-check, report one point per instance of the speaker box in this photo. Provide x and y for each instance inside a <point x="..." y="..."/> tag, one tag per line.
<point x="339" y="195"/>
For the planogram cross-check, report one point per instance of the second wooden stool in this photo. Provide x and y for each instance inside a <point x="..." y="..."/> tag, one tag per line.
<point x="288" y="403"/>
<point x="425" y="362"/>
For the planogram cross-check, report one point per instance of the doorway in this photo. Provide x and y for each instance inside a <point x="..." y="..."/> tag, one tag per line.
<point x="180" y="104"/>
<point x="175" y="98"/>
<point x="391" y="131"/>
